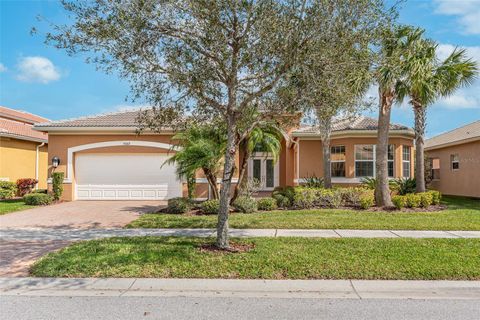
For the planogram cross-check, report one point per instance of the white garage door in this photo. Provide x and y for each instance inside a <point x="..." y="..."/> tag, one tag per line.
<point x="125" y="177"/>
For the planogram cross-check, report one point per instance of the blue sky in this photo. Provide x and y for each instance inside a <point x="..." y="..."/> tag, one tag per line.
<point x="47" y="82"/>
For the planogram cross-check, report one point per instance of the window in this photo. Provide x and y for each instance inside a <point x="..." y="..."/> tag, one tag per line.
<point x="337" y="161"/>
<point x="435" y="164"/>
<point x="364" y="160"/>
<point x="454" y="161"/>
<point x="406" y="161"/>
<point x="391" y="160"/>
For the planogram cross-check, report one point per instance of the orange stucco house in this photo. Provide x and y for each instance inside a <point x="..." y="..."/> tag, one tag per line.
<point x="104" y="158"/>
<point x="455" y="161"/>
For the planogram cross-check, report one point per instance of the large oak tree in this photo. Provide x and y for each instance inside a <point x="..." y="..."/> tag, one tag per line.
<point x="206" y="57"/>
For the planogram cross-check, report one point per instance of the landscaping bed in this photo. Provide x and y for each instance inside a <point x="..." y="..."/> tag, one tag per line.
<point x="460" y="214"/>
<point x="267" y="258"/>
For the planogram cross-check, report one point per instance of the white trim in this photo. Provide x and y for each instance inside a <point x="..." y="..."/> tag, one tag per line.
<point x="72" y="150"/>
<point x="298" y="159"/>
<point x="356" y="133"/>
<point x="334" y="180"/>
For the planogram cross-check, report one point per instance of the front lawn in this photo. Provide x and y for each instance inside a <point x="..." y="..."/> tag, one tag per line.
<point x="7" y="206"/>
<point x="280" y="258"/>
<point x="462" y="214"/>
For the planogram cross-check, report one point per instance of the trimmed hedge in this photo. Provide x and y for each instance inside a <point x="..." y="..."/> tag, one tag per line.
<point x="178" y="205"/>
<point x="7" y="189"/>
<point x="413" y="200"/>
<point x="367" y="199"/>
<point x="210" y="206"/>
<point x="245" y="204"/>
<point x="267" y="204"/>
<point x="436" y="196"/>
<point x="399" y="201"/>
<point x="426" y="199"/>
<point x="37" y="199"/>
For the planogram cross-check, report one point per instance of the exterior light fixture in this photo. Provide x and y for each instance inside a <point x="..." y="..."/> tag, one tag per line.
<point x="55" y="161"/>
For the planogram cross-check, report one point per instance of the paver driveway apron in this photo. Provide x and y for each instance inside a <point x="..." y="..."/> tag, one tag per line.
<point x="17" y="254"/>
<point x="80" y="214"/>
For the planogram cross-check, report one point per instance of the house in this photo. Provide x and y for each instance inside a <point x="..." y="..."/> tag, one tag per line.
<point x="455" y="161"/>
<point x="103" y="157"/>
<point x="23" y="151"/>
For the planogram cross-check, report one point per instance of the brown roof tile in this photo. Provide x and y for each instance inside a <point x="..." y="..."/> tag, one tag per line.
<point x="359" y="123"/>
<point x="19" y="115"/>
<point x="467" y="132"/>
<point x="116" y="119"/>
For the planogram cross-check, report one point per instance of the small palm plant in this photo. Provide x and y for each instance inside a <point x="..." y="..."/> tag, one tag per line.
<point x="404" y="185"/>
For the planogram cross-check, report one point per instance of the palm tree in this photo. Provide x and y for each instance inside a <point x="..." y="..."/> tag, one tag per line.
<point x="266" y="137"/>
<point x="388" y="75"/>
<point x="200" y="148"/>
<point x="427" y="79"/>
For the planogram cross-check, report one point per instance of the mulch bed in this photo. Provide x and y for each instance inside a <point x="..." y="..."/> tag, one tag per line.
<point x="235" y="247"/>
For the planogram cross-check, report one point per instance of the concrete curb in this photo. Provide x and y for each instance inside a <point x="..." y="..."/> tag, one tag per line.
<point x="324" y="289"/>
<point x="86" y="234"/>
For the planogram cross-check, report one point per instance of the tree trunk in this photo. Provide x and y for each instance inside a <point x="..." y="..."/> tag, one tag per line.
<point x="212" y="182"/>
<point x="241" y="175"/>
<point x="228" y="170"/>
<point x="420" y="122"/>
<point x="325" y="126"/>
<point x="382" y="191"/>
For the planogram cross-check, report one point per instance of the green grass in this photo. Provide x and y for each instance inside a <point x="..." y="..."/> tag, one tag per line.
<point x="462" y="214"/>
<point x="7" y="206"/>
<point x="279" y="258"/>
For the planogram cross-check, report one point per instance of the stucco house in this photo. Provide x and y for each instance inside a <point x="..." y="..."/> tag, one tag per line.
<point x="455" y="161"/>
<point x="103" y="157"/>
<point x="23" y="151"/>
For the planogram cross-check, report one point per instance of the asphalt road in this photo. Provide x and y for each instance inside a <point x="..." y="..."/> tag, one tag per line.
<point x="72" y="308"/>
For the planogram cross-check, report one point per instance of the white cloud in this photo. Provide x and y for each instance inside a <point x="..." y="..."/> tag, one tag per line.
<point x="467" y="11"/>
<point x="2" y="67"/>
<point x="37" y="69"/>
<point x="464" y="98"/>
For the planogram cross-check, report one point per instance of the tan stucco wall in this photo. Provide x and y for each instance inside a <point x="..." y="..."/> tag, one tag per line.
<point x="311" y="163"/>
<point x="59" y="144"/>
<point x="462" y="182"/>
<point x="18" y="160"/>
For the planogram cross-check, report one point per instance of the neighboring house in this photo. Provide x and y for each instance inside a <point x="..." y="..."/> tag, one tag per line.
<point x="455" y="161"/>
<point x="23" y="151"/>
<point x="104" y="158"/>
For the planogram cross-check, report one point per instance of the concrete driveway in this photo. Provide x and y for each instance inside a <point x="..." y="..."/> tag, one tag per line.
<point x="17" y="255"/>
<point x="80" y="214"/>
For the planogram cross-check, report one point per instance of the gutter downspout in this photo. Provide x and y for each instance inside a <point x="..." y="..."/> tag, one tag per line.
<point x="36" y="162"/>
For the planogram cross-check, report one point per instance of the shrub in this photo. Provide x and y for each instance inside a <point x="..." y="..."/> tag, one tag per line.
<point x="313" y="182"/>
<point x="425" y="199"/>
<point x="178" y="205"/>
<point x="367" y="199"/>
<point x="404" y="185"/>
<point x="288" y="192"/>
<point x="413" y="200"/>
<point x="45" y="191"/>
<point x="37" y="199"/>
<point x="351" y="195"/>
<point x="282" y="201"/>
<point x="305" y="198"/>
<point x="436" y="196"/>
<point x="369" y="183"/>
<point x="399" y="201"/>
<point x="25" y="185"/>
<point x="331" y="198"/>
<point x="57" y="184"/>
<point x="7" y="189"/>
<point x="267" y="204"/>
<point x="210" y="206"/>
<point x="245" y="204"/>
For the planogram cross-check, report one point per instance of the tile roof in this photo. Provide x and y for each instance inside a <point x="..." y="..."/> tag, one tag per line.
<point x="458" y="135"/>
<point x="19" y="124"/>
<point x="114" y="119"/>
<point x="20" y="115"/>
<point x="360" y="123"/>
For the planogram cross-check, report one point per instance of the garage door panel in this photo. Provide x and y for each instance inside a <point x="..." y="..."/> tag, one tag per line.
<point x="125" y="176"/>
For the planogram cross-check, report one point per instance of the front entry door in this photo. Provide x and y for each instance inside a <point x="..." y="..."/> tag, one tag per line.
<point x="264" y="169"/>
